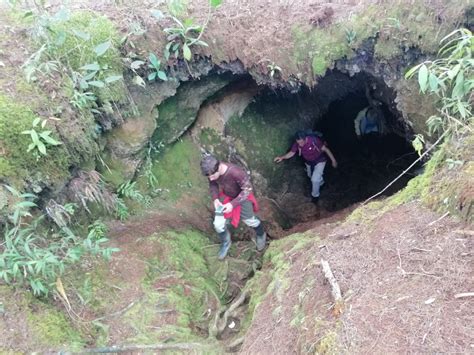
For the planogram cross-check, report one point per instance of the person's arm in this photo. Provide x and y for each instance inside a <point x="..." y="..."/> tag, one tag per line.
<point x="330" y="155"/>
<point x="358" y="121"/>
<point x="288" y="155"/>
<point x="243" y="180"/>
<point x="214" y="190"/>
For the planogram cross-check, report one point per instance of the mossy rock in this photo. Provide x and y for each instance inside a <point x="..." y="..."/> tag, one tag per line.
<point x="17" y="165"/>
<point x="264" y="131"/>
<point x="177" y="113"/>
<point x="178" y="171"/>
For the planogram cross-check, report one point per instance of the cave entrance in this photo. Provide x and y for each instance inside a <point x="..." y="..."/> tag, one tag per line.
<point x="366" y="166"/>
<point x="367" y="163"/>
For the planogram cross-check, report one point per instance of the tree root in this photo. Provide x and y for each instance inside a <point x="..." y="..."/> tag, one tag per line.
<point x="220" y="322"/>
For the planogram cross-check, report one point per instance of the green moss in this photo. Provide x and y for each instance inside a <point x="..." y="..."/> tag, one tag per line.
<point x="265" y="131"/>
<point x="214" y="143"/>
<point x="54" y="329"/>
<point x="17" y="163"/>
<point x="177" y="170"/>
<point x="393" y="28"/>
<point x="272" y="279"/>
<point x="321" y="47"/>
<point x="76" y="39"/>
<point x="114" y="171"/>
<point x="192" y="290"/>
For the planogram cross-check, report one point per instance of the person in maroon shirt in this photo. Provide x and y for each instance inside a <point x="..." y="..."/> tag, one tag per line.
<point x="233" y="199"/>
<point x="315" y="153"/>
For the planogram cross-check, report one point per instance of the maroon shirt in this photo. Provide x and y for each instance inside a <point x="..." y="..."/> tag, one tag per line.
<point x="312" y="151"/>
<point x="235" y="183"/>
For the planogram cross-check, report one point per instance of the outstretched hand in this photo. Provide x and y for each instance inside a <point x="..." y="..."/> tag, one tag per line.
<point x="277" y="159"/>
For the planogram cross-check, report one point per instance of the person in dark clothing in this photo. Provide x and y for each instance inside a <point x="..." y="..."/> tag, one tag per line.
<point x="233" y="199"/>
<point x="315" y="153"/>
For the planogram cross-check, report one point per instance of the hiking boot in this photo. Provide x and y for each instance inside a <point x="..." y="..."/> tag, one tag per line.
<point x="315" y="200"/>
<point x="225" y="245"/>
<point x="261" y="240"/>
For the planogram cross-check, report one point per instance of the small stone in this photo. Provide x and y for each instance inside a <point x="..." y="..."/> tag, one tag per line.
<point x="232" y="325"/>
<point x="430" y="300"/>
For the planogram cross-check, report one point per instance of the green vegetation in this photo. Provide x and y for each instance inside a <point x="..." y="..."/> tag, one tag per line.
<point x="87" y="45"/>
<point x="177" y="171"/>
<point x="16" y="162"/>
<point x="262" y="135"/>
<point x="181" y="280"/>
<point x="40" y="139"/>
<point x="185" y="34"/>
<point x="52" y="328"/>
<point x="38" y="256"/>
<point x="272" y="279"/>
<point x="449" y="78"/>
<point x="393" y="28"/>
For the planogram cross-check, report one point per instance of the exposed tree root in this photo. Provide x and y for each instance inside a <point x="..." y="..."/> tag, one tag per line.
<point x="220" y="322"/>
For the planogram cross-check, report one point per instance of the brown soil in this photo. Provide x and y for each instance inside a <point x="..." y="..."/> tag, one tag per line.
<point x="398" y="276"/>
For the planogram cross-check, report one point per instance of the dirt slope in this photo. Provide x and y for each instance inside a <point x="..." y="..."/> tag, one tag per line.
<point x="399" y="276"/>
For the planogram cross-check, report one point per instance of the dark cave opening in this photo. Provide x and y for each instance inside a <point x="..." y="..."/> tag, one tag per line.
<point x="365" y="165"/>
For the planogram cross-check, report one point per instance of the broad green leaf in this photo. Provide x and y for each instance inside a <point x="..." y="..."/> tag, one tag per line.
<point x="433" y="80"/>
<point x="36" y="121"/>
<point x="201" y="43"/>
<point x="162" y="75"/>
<point x="154" y="60"/>
<point x="112" y="78"/>
<point x="152" y="76"/>
<point x="31" y="146"/>
<point x="50" y="140"/>
<point x="82" y="35"/>
<point x="186" y="52"/>
<point x="41" y="148"/>
<point x="137" y="64"/>
<point x="453" y="72"/>
<point x="83" y="84"/>
<point x="92" y="66"/>
<point x="90" y="75"/>
<point x="43" y="124"/>
<point x="102" y="48"/>
<point x="423" y="78"/>
<point x="458" y="90"/>
<point x="462" y="109"/>
<point x="96" y="83"/>
<point x="34" y="137"/>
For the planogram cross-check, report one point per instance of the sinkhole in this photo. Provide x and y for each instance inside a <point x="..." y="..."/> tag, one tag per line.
<point x="250" y="124"/>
